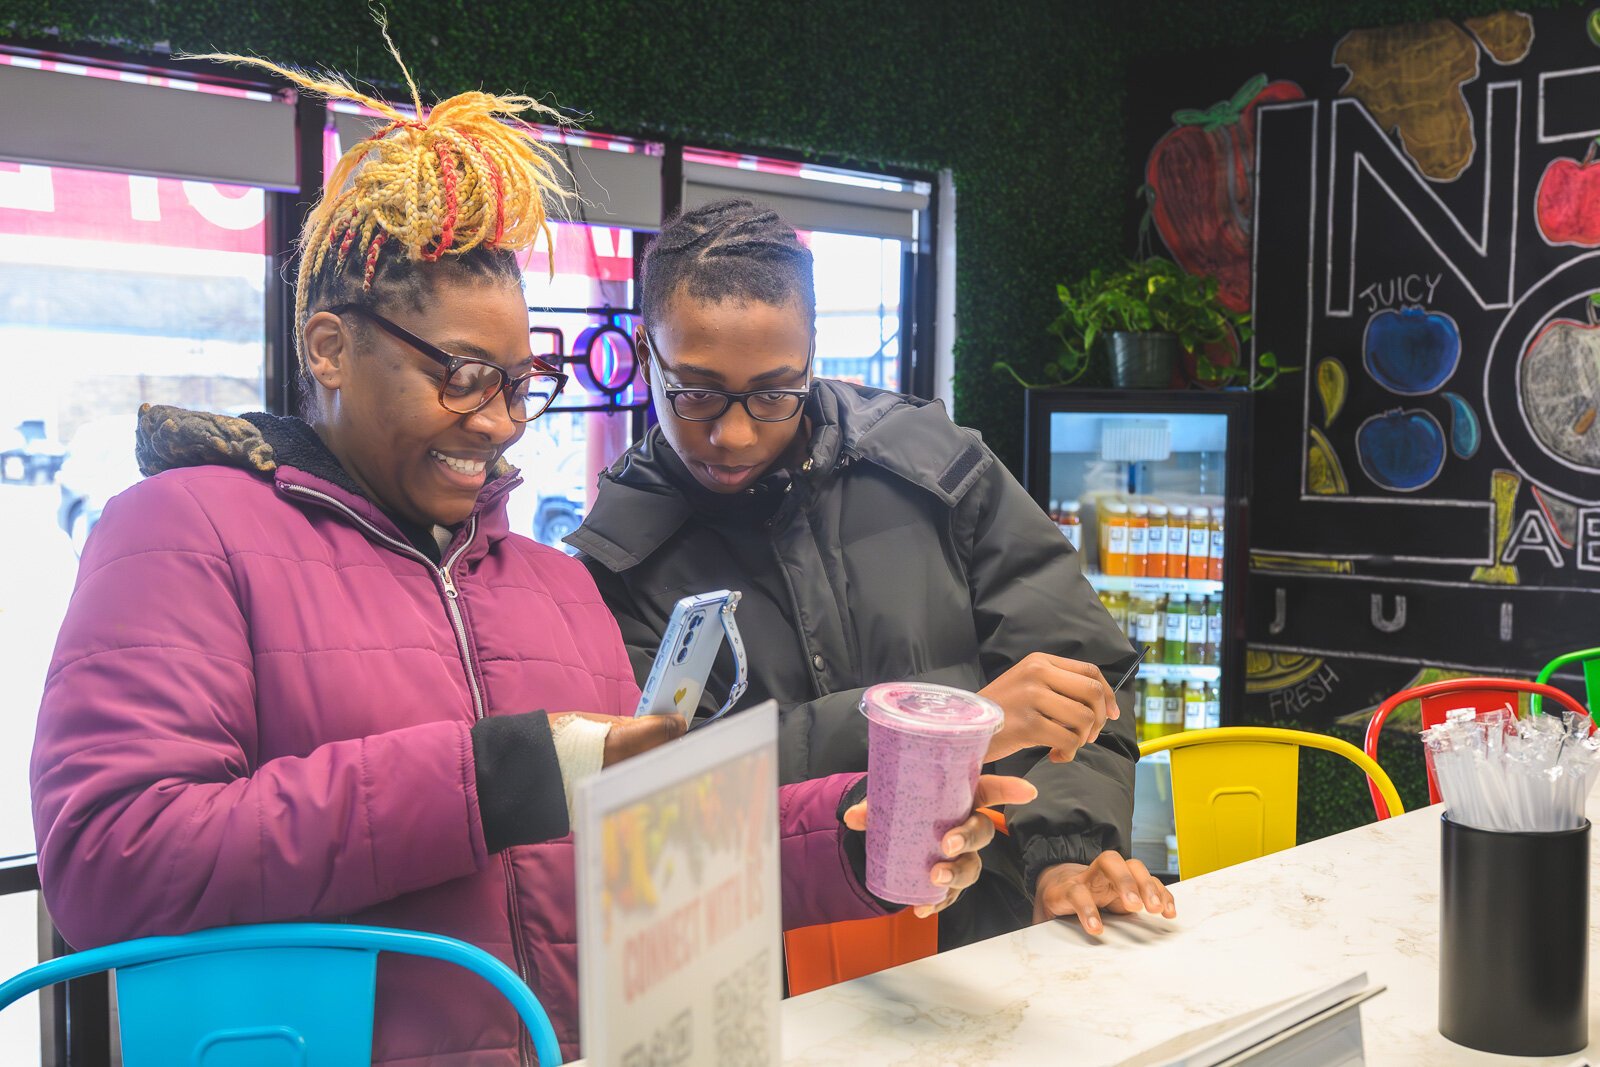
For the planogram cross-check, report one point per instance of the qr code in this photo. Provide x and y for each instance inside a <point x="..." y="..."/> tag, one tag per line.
<point x="742" y="1016"/>
<point x="670" y="1046"/>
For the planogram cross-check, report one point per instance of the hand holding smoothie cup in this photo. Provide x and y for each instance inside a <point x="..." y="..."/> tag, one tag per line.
<point x="962" y="865"/>
<point x="926" y="745"/>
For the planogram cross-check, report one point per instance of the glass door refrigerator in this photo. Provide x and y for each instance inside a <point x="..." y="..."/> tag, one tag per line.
<point x="1152" y="488"/>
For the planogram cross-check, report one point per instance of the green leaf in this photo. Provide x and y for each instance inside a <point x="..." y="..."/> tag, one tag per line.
<point x="1247" y="92"/>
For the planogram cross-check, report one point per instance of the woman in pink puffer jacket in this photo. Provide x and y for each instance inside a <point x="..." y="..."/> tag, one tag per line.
<point x="308" y="672"/>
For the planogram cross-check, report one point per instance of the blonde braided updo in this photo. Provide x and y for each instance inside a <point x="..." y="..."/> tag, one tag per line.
<point x="464" y="184"/>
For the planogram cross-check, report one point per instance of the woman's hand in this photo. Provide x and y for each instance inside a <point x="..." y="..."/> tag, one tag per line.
<point x="630" y="736"/>
<point x="1059" y="703"/>
<point x="961" y="843"/>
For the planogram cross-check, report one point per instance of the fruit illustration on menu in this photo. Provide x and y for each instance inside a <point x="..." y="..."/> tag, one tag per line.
<point x="1567" y="207"/>
<point x="1200" y="181"/>
<point x="1559" y="383"/>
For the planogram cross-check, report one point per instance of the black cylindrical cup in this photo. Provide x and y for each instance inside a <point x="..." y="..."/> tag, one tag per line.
<point x="1514" y="940"/>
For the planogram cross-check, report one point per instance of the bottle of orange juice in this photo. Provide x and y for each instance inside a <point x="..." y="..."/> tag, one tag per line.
<point x="1139" y="540"/>
<point x="1214" y="570"/>
<point x="1116" y="553"/>
<point x="1199" y="542"/>
<point x="1156" y="561"/>
<point x="1178" y="542"/>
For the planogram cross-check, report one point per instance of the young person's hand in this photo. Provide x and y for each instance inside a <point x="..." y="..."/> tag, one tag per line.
<point x="963" y="842"/>
<point x="1110" y="882"/>
<point x="1059" y="703"/>
<point x="630" y="736"/>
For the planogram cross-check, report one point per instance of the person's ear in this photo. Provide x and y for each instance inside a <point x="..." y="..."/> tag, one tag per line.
<point x="328" y="349"/>
<point x="641" y="346"/>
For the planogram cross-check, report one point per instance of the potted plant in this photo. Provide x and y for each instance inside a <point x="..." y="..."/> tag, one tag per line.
<point x="1146" y="315"/>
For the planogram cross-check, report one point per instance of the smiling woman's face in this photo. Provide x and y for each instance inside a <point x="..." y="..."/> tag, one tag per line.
<point x="735" y="347"/>
<point x="380" y="410"/>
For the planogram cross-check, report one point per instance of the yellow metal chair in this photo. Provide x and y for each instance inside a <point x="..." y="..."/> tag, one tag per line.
<point x="1235" y="790"/>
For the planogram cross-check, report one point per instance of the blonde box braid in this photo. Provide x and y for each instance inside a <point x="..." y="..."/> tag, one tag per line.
<point x="468" y="174"/>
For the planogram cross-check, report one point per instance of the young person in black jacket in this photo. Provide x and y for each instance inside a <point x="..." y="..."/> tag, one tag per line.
<point x="874" y="540"/>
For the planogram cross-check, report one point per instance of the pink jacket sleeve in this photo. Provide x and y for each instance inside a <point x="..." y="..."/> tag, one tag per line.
<point x="819" y="884"/>
<point x="151" y="811"/>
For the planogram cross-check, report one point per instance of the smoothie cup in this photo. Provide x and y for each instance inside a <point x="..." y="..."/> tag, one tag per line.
<point x="925" y="746"/>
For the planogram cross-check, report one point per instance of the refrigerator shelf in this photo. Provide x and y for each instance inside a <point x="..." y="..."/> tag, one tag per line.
<point x="1181" y="672"/>
<point x="1153" y="586"/>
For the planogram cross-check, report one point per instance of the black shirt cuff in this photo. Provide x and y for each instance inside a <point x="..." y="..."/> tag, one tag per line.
<point x="520" y="796"/>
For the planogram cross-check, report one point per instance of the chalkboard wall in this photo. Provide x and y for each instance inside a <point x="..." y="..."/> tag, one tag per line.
<point x="1412" y="216"/>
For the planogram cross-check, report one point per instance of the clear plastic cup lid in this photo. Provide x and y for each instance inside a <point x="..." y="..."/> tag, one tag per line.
<point x="931" y="709"/>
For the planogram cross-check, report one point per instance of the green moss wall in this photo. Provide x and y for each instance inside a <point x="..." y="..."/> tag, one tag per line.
<point x="1022" y="101"/>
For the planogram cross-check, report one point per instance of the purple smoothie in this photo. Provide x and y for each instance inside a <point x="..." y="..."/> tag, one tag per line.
<point x="925" y="746"/>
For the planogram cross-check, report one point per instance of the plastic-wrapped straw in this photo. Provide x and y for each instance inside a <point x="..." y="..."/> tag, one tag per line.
<point x="1499" y="773"/>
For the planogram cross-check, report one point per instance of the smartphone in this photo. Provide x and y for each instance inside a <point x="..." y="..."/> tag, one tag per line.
<point x="688" y="649"/>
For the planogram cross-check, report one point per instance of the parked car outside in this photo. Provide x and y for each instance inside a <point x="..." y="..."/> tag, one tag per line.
<point x="28" y="456"/>
<point x="99" y="464"/>
<point x="553" y="499"/>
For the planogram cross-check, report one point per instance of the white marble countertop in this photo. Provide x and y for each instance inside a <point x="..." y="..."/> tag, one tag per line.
<point x="1245" y="936"/>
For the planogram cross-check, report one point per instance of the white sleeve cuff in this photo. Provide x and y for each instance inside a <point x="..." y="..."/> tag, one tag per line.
<point x="580" y="750"/>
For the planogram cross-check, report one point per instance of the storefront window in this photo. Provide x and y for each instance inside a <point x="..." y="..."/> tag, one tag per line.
<point x="858" y="307"/>
<point x="581" y="319"/>
<point x="858" y="255"/>
<point x="116" y="290"/>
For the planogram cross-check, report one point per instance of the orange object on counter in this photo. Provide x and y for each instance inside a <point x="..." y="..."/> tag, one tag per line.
<point x="819" y="956"/>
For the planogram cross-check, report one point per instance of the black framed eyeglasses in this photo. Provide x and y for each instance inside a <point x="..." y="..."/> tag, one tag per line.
<point x="695" y="403"/>
<point x="471" y="383"/>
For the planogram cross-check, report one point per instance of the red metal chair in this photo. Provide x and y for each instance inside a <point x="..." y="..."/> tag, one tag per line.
<point x="1438" y="698"/>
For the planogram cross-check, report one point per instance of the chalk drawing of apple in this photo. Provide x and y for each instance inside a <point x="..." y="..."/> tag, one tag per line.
<point x="1411" y="351"/>
<point x="1567" y="207"/>
<point x="1559" y="387"/>
<point x="1401" y="450"/>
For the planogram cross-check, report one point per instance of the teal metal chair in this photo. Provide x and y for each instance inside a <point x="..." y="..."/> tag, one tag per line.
<point x="274" y="995"/>
<point x="1590" y="658"/>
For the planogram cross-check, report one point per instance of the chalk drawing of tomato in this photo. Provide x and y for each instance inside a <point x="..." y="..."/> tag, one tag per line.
<point x="1559" y="386"/>
<point x="1401" y="450"/>
<point x="1567" y="207"/>
<point x="1411" y="351"/>
<point x="1200" y="179"/>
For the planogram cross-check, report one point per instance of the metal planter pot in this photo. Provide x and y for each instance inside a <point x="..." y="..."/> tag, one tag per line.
<point x="1142" y="360"/>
